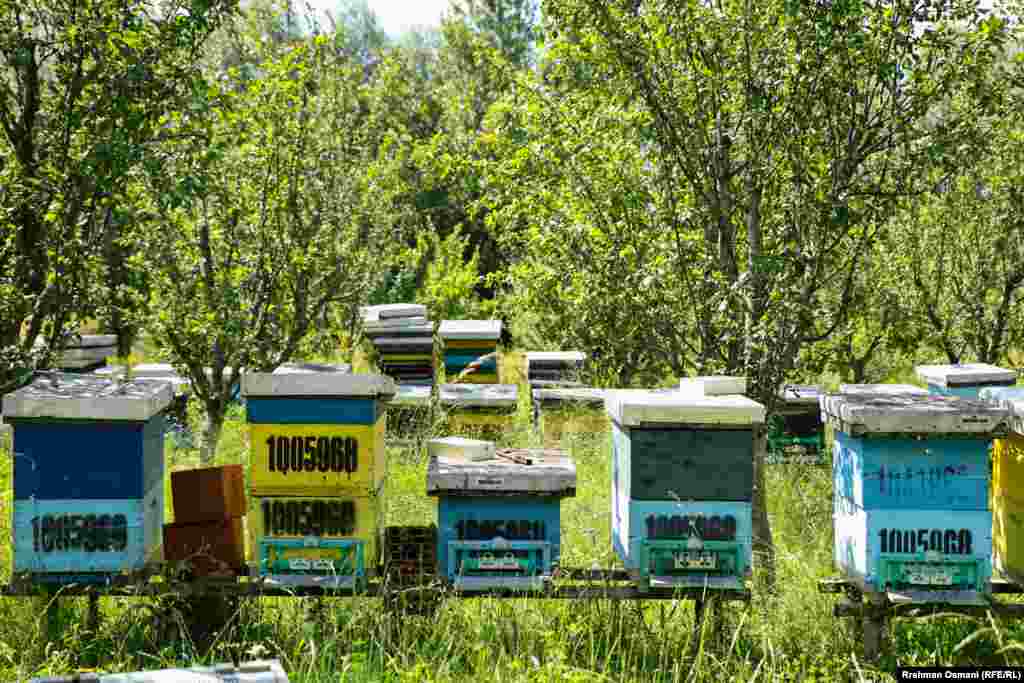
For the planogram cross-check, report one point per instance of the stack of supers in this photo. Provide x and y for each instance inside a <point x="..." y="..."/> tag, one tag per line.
<point x="207" y="534"/>
<point x="85" y="353"/>
<point x="554" y="368"/>
<point x="466" y="342"/>
<point x="403" y="338"/>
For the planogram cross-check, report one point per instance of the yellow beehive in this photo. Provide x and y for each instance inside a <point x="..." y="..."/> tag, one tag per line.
<point x="1006" y="496"/>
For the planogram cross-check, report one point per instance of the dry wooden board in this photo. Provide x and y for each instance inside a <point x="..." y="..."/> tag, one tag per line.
<point x="334" y="384"/>
<point x="461" y="447"/>
<point x="635" y="407"/>
<point x="912" y="413"/>
<point x="87" y="397"/>
<point x="390" y="311"/>
<point x="570" y="394"/>
<point x="308" y="368"/>
<point x="551" y="472"/>
<point x="965" y="374"/>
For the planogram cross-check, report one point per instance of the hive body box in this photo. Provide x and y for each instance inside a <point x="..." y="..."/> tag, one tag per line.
<point x="466" y="342"/>
<point x="966" y="379"/>
<point x="561" y="410"/>
<point x="86" y="352"/>
<point x="88" y="475"/>
<point x="498" y="519"/>
<point x="476" y="406"/>
<point x="910" y="481"/>
<point x="1007" y="498"/>
<point x="551" y="368"/>
<point x="682" y="487"/>
<point x="317" y="472"/>
<point x="403" y="338"/>
<point x="796" y="431"/>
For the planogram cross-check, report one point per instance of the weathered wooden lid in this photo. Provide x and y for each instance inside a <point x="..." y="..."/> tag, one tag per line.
<point x="461" y="447"/>
<point x="479" y="395"/>
<point x="524" y="471"/>
<point x="87" y="397"/>
<point x="470" y="329"/>
<point x="636" y="407"/>
<point x="411" y="395"/>
<point x="570" y="394"/>
<point x="308" y="368"/>
<point x="391" y="311"/>
<point x="90" y="341"/>
<point x="714" y="385"/>
<point x="1011" y="398"/>
<point x="319" y="384"/>
<point x="965" y="375"/>
<point x="885" y="389"/>
<point x="800" y="394"/>
<point x="912" y="413"/>
<point x="384" y="342"/>
<point x="568" y="357"/>
<point x="419" y="326"/>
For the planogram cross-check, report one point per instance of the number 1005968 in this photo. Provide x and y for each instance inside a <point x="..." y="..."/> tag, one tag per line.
<point x="312" y="454"/>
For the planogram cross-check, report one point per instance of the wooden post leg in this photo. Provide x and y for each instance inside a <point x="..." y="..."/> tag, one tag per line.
<point x="52" y="623"/>
<point x="92" y="619"/>
<point x="698" y="623"/>
<point x="874" y="630"/>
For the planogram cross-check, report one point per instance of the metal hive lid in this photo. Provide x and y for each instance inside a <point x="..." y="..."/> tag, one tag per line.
<point x="470" y="329"/>
<point x="479" y="395"/>
<point x="912" y="413"/>
<point x="636" y="407"/>
<point x="318" y="384"/>
<point x="714" y="385"/>
<point x="550" y="472"/>
<point x="965" y="374"/>
<point x="88" y="397"/>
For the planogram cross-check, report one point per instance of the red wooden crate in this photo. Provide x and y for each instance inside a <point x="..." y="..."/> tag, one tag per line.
<point x="208" y="494"/>
<point x="210" y="547"/>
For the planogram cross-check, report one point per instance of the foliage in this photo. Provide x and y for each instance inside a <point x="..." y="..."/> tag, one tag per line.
<point x="266" y="226"/>
<point x="82" y="86"/>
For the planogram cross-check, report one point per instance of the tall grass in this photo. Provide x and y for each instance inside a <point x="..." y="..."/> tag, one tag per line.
<point x="790" y="635"/>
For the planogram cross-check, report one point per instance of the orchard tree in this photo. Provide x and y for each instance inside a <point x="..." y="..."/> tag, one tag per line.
<point x="275" y="218"/>
<point x="83" y="84"/>
<point x="712" y="173"/>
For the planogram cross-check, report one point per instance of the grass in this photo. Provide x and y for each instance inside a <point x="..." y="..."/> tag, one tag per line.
<point x="788" y="636"/>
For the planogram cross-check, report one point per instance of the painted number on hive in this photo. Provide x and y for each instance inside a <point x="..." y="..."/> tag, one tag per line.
<point x="91" y="533"/>
<point x="312" y="454"/>
<point x="945" y="541"/>
<point x="713" y="528"/>
<point x="309" y="517"/>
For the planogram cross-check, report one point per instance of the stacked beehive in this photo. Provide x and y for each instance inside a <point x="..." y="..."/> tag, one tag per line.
<point x="403" y="338"/>
<point x="561" y="410"/>
<point x="682" y="483"/>
<point x="209" y="509"/>
<point x="88" y="475"/>
<point x="1006" y="499"/>
<point x="466" y="343"/>
<point x="87" y="352"/>
<point x="317" y="473"/>
<point x="797" y="433"/>
<point x="554" y="368"/>
<point x="964" y="380"/>
<point x="911" y="478"/>
<point x="498" y="512"/>
<point x="485" y="407"/>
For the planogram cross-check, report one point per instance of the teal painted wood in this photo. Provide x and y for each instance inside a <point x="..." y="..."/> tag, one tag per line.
<point x="330" y="567"/>
<point x="462" y="519"/>
<point x="907" y="473"/>
<point x="685" y="464"/>
<point x="68" y="536"/>
<point x="969" y="391"/>
<point x="349" y="411"/>
<point x="87" y="459"/>
<point x="643" y="529"/>
<point x="901" y="549"/>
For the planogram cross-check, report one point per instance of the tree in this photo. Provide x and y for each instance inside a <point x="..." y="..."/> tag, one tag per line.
<point x="712" y="174"/>
<point x="82" y="86"/>
<point x="263" y="227"/>
<point x="512" y="26"/>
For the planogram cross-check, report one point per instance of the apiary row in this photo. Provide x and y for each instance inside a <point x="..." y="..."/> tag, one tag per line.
<point x="914" y="506"/>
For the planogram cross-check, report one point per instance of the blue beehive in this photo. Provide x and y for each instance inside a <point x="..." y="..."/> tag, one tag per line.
<point x="88" y="474"/>
<point x="498" y="512"/>
<point x="911" y="480"/>
<point x="965" y="379"/>
<point x="682" y="484"/>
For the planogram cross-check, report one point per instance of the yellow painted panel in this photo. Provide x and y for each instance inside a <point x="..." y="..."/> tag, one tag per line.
<point x="556" y="424"/>
<point x="316" y="459"/>
<point x="334" y="517"/>
<point x="480" y="420"/>
<point x="491" y="344"/>
<point x="1007" y="502"/>
<point x="478" y="378"/>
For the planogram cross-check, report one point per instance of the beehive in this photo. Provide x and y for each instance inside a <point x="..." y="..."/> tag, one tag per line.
<point x="467" y="342"/>
<point x="554" y="368"/>
<point x="403" y="338"/>
<point x="1006" y="500"/>
<point x="682" y="486"/>
<point x="88" y="473"/>
<point x="498" y="519"/>
<point x="797" y="432"/>
<point x="965" y="379"/>
<point x="86" y="352"/>
<point x="475" y="406"/>
<point x="317" y="475"/>
<point x="558" y="411"/>
<point x="408" y="411"/>
<point x="911" y="491"/>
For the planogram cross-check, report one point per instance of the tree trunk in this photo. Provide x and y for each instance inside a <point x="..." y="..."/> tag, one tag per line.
<point x="763" y="548"/>
<point x="212" y="429"/>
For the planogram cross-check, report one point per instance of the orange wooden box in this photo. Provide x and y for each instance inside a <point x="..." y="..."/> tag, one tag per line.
<point x="208" y="494"/>
<point x="210" y="547"/>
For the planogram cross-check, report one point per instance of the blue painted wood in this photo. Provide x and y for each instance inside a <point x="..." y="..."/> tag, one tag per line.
<point x="480" y="518"/>
<point x="65" y="550"/>
<point x="65" y="460"/>
<point x="894" y="473"/>
<point x="349" y="411"/>
<point x="910" y="534"/>
<point x="637" y="522"/>
<point x="962" y="391"/>
<point x="462" y="360"/>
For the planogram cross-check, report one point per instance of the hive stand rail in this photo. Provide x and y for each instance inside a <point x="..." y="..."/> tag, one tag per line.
<point x="873" y="612"/>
